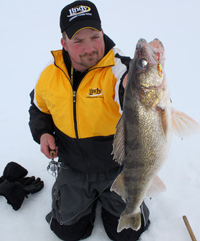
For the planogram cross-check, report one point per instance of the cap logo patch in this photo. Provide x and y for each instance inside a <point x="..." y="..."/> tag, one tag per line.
<point x="78" y="11"/>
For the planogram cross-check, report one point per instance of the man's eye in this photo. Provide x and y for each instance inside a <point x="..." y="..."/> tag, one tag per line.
<point x="77" y="41"/>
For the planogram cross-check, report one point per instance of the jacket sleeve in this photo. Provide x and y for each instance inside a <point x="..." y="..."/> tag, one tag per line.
<point x="122" y="90"/>
<point x="39" y="121"/>
<point x="124" y="61"/>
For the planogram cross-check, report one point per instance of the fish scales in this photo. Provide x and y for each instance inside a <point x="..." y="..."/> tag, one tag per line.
<point x="147" y="151"/>
<point x="143" y="145"/>
<point x="144" y="131"/>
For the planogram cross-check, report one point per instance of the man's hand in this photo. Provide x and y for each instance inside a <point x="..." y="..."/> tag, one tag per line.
<point x="125" y="81"/>
<point x="47" y="143"/>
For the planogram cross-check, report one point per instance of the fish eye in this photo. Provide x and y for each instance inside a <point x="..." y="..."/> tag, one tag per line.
<point x="143" y="63"/>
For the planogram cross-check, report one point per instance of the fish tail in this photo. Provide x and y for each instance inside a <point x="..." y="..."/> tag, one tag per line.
<point x="129" y="221"/>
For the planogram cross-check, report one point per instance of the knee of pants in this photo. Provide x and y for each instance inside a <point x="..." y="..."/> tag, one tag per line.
<point x="110" y="223"/>
<point x="80" y="230"/>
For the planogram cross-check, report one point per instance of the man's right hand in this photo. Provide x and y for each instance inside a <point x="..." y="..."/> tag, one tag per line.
<point x="125" y="81"/>
<point x="47" y="143"/>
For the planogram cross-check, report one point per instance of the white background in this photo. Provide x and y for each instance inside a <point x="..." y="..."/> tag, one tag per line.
<point x="29" y="30"/>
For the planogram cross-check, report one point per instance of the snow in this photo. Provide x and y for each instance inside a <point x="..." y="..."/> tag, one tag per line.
<point x="29" y="30"/>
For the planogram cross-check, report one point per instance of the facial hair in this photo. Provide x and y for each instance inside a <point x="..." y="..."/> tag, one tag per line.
<point x="88" y="60"/>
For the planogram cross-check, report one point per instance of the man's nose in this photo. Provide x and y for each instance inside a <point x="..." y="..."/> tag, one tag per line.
<point x="89" y="48"/>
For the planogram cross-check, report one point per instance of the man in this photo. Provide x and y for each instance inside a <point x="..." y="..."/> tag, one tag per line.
<point x="76" y="105"/>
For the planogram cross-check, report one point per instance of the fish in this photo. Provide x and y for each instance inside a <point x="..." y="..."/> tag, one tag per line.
<point x="144" y="131"/>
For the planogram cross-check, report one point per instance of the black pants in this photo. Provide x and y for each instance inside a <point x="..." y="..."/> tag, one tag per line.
<point x="83" y="228"/>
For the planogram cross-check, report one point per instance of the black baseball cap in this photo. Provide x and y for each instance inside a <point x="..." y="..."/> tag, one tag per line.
<point x="77" y="16"/>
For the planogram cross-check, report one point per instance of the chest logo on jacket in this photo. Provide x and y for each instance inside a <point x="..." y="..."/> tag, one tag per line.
<point x="95" y="93"/>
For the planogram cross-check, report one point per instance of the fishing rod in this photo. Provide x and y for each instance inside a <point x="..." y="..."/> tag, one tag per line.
<point x="189" y="228"/>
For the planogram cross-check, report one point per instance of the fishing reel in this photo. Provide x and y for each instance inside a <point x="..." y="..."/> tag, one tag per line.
<point x="54" y="166"/>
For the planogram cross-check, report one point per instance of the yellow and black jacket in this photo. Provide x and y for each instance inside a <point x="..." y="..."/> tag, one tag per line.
<point x="83" y="120"/>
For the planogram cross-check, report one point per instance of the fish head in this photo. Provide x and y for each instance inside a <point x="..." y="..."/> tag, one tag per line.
<point x="146" y="72"/>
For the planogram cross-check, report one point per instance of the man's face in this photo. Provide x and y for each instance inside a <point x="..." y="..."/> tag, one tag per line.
<point x="86" y="48"/>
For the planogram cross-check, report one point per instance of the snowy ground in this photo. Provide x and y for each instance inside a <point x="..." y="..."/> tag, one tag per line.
<point x="29" y="30"/>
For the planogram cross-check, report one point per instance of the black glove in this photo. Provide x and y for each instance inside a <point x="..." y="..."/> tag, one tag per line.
<point x="13" y="192"/>
<point x="15" y="187"/>
<point x="31" y="185"/>
<point x="13" y="171"/>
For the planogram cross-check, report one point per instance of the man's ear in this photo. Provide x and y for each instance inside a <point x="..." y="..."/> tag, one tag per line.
<point x="63" y="42"/>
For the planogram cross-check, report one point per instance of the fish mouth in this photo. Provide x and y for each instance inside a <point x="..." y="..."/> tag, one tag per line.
<point x="147" y="58"/>
<point x="145" y="50"/>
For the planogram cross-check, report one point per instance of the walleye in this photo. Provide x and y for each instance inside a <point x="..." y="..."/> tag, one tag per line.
<point x="144" y="131"/>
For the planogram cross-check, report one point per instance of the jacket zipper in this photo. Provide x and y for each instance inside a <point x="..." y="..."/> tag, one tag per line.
<point x="74" y="103"/>
<point x="74" y="111"/>
<point x="74" y="108"/>
<point x="74" y="97"/>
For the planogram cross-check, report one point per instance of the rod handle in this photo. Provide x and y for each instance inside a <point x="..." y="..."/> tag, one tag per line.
<point x="189" y="228"/>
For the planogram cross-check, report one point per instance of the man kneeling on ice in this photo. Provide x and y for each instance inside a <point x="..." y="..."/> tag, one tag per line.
<point x="75" y="107"/>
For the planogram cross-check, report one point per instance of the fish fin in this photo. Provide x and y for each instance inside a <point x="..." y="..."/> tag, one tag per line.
<point x="129" y="221"/>
<point x="118" y="186"/>
<point x="183" y="125"/>
<point x="119" y="143"/>
<point x="157" y="186"/>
